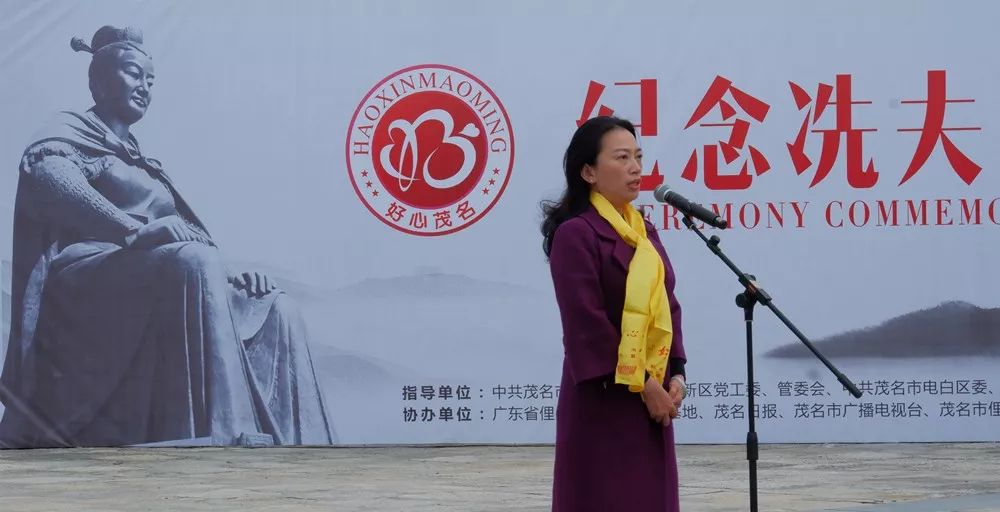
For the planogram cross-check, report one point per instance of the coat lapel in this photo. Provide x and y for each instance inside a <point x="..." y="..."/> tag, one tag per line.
<point x="621" y="252"/>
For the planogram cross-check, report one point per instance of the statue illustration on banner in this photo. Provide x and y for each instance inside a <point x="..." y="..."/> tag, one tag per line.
<point x="126" y="325"/>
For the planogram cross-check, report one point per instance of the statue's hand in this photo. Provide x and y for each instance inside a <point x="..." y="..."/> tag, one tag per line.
<point x="166" y="230"/>
<point x="255" y="284"/>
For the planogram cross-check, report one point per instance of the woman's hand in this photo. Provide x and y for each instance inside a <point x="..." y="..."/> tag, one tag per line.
<point x="659" y="403"/>
<point x="166" y="230"/>
<point x="677" y="390"/>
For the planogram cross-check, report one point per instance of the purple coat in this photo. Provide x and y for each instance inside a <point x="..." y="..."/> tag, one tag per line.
<point x="609" y="454"/>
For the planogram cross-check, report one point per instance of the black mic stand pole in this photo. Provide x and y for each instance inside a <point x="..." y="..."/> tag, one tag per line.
<point x="751" y="295"/>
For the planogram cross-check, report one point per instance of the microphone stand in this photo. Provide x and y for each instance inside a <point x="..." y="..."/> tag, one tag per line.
<point x="746" y="300"/>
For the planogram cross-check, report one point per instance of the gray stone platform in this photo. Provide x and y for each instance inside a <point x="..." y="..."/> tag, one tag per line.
<point x="856" y="478"/>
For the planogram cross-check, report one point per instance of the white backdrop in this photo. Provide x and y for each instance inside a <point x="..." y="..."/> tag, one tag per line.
<point x="455" y="337"/>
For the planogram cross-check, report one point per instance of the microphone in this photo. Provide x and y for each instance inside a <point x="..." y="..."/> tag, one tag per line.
<point x="663" y="194"/>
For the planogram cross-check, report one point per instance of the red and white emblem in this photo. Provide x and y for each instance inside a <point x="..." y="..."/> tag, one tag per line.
<point x="430" y="150"/>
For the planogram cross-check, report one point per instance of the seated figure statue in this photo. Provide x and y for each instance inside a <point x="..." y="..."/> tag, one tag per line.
<point x="127" y="327"/>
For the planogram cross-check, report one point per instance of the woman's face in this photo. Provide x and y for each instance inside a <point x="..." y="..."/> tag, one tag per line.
<point x="125" y="87"/>
<point x="617" y="171"/>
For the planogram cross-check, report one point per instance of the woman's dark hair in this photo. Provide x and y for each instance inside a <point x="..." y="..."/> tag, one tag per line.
<point x="583" y="149"/>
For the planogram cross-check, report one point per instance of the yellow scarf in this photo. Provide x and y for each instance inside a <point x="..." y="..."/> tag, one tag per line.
<point x="646" y="326"/>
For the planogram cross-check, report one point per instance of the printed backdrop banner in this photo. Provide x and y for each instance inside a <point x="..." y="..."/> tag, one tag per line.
<point x="323" y="224"/>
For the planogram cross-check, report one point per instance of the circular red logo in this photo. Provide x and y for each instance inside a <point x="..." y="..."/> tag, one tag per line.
<point x="430" y="150"/>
